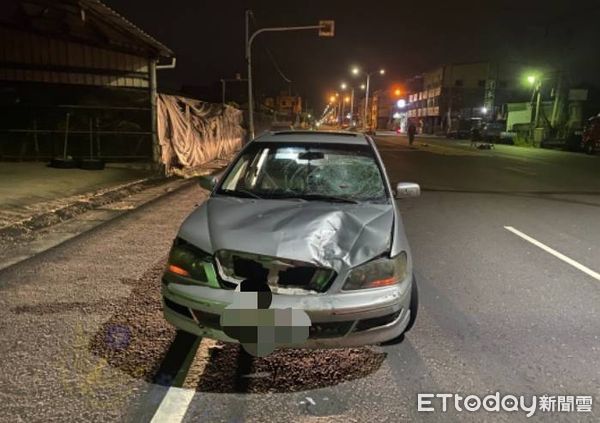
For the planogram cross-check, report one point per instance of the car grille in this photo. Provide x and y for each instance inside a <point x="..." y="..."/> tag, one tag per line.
<point x="234" y="267"/>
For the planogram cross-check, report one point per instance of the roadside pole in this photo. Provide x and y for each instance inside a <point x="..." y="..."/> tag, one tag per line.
<point x="366" y="124"/>
<point x="326" y="29"/>
<point x="351" y="107"/>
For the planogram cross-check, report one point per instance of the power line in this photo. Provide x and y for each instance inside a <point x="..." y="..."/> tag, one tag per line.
<point x="272" y="58"/>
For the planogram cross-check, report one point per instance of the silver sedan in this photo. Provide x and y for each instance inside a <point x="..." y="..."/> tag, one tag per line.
<point x="315" y="213"/>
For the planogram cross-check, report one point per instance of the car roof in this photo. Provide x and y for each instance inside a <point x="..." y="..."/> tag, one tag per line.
<point x="333" y="137"/>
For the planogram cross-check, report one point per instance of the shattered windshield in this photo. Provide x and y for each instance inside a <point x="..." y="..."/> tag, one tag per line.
<point x="327" y="172"/>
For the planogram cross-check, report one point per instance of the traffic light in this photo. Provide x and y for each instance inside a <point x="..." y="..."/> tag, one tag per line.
<point x="327" y="28"/>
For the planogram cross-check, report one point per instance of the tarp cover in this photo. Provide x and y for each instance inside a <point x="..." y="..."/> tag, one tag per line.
<point x="192" y="132"/>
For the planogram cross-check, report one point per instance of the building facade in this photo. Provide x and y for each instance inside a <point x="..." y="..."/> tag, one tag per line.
<point x="455" y="92"/>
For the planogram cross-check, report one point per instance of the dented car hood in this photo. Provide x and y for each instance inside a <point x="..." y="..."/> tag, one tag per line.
<point x="333" y="235"/>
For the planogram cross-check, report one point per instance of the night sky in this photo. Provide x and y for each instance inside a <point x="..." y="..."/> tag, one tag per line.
<point x="405" y="37"/>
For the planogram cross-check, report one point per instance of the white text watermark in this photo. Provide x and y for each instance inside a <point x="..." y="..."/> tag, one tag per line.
<point x="496" y="403"/>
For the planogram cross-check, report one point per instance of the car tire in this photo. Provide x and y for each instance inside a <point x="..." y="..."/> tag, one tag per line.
<point x="413" y="307"/>
<point x="62" y="163"/>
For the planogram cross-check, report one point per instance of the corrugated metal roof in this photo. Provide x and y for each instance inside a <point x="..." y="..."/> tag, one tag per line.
<point x="87" y="21"/>
<point x="119" y="20"/>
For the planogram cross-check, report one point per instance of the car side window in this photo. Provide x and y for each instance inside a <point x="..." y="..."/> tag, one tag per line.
<point x="236" y="174"/>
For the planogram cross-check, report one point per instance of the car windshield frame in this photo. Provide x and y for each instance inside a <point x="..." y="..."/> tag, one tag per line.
<point x="258" y="145"/>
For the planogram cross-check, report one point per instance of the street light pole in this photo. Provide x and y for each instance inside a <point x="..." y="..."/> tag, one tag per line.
<point x="351" y="106"/>
<point x="366" y="121"/>
<point x="356" y="71"/>
<point x="249" y="62"/>
<point x="538" y="104"/>
<point x="249" y="41"/>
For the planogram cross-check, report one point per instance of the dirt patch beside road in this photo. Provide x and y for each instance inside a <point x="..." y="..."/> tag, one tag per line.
<point x="136" y="339"/>
<point x="229" y="370"/>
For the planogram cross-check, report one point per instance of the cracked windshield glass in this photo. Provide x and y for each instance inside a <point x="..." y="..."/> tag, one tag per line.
<point x="310" y="211"/>
<point x="309" y="172"/>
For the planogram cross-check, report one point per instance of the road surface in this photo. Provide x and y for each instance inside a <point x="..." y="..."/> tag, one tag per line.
<point x="506" y="245"/>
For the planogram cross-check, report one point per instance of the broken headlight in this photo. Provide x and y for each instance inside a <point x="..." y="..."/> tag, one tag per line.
<point x="189" y="261"/>
<point x="378" y="273"/>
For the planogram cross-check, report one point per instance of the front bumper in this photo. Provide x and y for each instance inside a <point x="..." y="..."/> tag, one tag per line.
<point x="338" y="320"/>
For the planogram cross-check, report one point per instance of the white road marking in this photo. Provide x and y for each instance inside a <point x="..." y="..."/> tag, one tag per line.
<point x="176" y="402"/>
<point x="174" y="405"/>
<point x="555" y="253"/>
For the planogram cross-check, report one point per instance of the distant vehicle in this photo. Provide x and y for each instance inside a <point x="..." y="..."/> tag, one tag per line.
<point x="281" y="126"/>
<point x="590" y="140"/>
<point x="462" y="128"/>
<point x="492" y="131"/>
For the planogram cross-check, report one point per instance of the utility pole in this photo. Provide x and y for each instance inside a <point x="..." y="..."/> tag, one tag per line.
<point x="366" y="122"/>
<point x="535" y="122"/>
<point x="249" y="62"/>
<point x="356" y="71"/>
<point x="538" y="104"/>
<point x="326" y="29"/>
<point x="351" y="106"/>
<point x="557" y="100"/>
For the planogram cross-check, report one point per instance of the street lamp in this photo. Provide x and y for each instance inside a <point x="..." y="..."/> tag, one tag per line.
<point x="326" y="29"/>
<point x="344" y="86"/>
<point x="356" y="71"/>
<point x="401" y="104"/>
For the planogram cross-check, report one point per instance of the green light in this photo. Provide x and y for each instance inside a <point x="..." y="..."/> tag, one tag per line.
<point x="531" y="79"/>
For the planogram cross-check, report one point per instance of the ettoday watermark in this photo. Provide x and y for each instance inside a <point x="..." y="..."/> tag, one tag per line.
<point x="497" y="402"/>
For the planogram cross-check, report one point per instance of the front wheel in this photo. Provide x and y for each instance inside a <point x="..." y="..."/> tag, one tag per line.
<point x="414" y="305"/>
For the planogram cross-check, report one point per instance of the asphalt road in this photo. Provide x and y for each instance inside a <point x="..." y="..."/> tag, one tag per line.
<point x="500" y="312"/>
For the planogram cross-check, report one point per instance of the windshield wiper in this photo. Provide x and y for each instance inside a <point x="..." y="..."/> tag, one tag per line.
<point x="241" y="191"/>
<point x="330" y="198"/>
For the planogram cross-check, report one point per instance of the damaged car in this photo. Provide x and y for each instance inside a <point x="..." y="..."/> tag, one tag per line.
<point x="316" y="212"/>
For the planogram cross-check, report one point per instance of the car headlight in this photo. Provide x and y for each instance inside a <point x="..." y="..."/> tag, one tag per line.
<point x="378" y="273"/>
<point x="189" y="261"/>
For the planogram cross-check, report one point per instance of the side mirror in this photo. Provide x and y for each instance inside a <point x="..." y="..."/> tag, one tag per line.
<point x="208" y="182"/>
<point x="407" y="190"/>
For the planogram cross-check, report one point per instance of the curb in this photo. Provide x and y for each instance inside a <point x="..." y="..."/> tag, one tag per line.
<point x="97" y="199"/>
